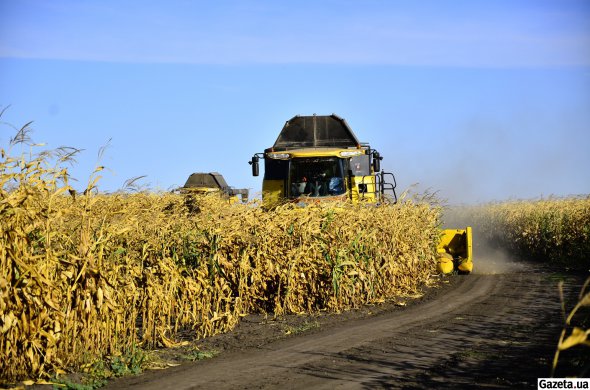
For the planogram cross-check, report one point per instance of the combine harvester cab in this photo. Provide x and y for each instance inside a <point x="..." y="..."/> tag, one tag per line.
<point x="201" y="183"/>
<point x="318" y="158"/>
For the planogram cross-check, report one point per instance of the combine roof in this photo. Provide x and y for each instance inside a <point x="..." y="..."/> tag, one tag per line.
<point x="207" y="180"/>
<point x="316" y="131"/>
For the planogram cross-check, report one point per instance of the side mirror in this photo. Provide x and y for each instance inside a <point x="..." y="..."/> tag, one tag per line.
<point x="255" y="166"/>
<point x="376" y="162"/>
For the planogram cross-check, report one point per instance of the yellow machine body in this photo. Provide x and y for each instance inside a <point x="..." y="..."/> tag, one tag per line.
<point x="272" y="192"/>
<point x="357" y="188"/>
<point x="317" y="158"/>
<point x="455" y="251"/>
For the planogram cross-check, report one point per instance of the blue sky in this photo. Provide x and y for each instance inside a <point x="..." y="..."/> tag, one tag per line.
<point x="476" y="100"/>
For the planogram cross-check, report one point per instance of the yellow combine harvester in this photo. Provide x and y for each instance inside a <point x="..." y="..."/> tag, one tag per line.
<point x="318" y="158"/>
<point x="201" y="183"/>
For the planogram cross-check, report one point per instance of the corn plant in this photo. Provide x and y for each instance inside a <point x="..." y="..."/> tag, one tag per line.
<point x="87" y="277"/>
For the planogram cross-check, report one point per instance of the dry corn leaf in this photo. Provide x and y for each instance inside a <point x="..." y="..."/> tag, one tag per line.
<point x="578" y="336"/>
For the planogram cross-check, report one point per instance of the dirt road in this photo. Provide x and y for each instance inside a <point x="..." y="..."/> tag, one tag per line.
<point x="493" y="331"/>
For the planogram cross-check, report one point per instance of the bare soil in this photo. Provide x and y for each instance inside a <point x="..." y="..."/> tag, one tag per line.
<point x="490" y="331"/>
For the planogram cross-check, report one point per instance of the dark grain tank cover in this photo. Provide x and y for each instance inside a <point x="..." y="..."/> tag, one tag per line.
<point x="208" y="180"/>
<point x="319" y="131"/>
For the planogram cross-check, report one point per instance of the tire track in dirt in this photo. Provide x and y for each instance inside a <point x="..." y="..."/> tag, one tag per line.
<point x="502" y="341"/>
<point x="493" y="331"/>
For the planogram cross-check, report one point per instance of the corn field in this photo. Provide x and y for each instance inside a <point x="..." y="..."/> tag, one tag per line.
<point x="554" y="230"/>
<point x="88" y="275"/>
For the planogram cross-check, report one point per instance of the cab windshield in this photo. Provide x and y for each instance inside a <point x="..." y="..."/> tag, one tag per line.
<point x="316" y="177"/>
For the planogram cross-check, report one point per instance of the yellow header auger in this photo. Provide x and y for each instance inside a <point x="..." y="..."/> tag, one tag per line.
<point x="318" y="158"/>
<point x="455" y="251"/>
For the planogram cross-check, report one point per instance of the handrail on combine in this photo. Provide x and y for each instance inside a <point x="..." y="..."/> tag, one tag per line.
<point x="381" y="186"/>
<point x="385" y="185"/>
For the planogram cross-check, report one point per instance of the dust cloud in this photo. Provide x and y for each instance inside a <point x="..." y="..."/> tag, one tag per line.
<point x="488" y="260"/>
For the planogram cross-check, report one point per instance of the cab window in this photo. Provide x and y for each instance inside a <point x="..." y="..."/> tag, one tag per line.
<point x="316" y="177"/>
